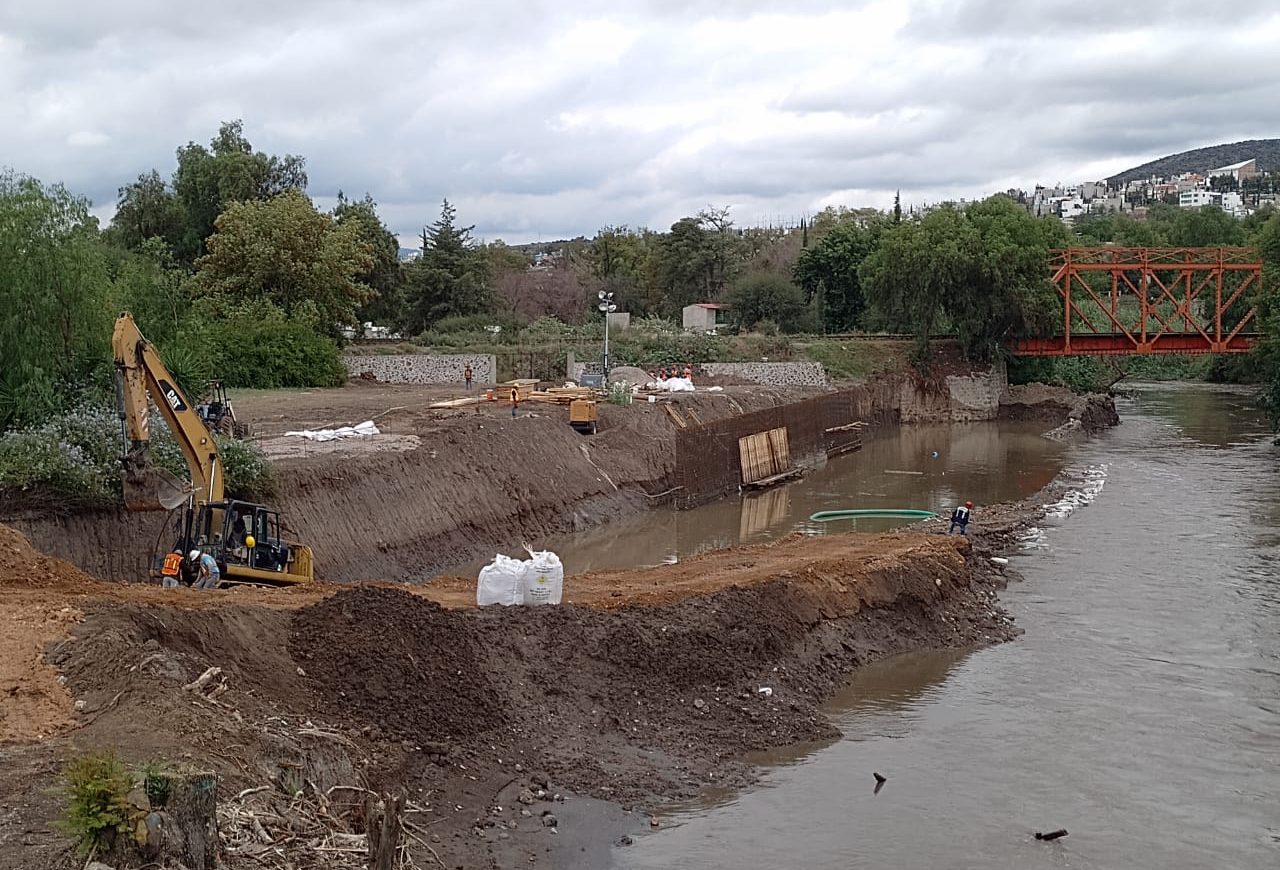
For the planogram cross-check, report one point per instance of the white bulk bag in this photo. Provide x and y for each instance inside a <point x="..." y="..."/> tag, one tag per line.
<point x="501" y="582"/>
<point x="543" y="578"/>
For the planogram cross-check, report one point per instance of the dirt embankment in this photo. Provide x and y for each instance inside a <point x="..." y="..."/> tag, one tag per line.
<point x="647" y="685"/>
<point x="1069" y="413"/>
<point x="470" y="481"/>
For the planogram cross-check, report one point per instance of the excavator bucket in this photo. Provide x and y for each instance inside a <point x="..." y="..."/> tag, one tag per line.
<point x="148" y="488"/>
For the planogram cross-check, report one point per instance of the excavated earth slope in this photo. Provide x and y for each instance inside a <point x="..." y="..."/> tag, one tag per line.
<point x="645" y="685"/>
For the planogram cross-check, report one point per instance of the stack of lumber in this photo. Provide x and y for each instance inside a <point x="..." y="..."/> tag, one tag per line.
<point x="562" y="395"/>
<point x="459" y="403"/>
<point x="524" y="388"/>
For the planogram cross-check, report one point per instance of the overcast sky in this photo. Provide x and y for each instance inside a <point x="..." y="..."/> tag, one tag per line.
<point x="545" y="120"/>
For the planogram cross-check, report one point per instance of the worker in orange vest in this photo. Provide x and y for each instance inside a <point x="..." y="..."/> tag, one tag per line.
<point x="688" y="372"/>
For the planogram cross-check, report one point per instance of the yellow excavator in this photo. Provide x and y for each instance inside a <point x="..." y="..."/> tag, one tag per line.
<point x="244" y="538"/>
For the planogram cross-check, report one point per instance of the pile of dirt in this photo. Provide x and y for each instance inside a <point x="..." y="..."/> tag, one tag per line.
<point x="1071" y="412"/>
<point x="23" y="565"/>
<point x="33" y="703"/>
<point x="388" y="656"/>
<point x="636" y="377"/>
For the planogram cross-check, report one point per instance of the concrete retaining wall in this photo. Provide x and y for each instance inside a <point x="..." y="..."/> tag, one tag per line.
<point x="775" y="374"/>
<point x="414" y="368"/>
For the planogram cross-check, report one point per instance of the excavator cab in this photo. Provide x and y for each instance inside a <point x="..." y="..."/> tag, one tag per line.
<point x="246" y="541"/>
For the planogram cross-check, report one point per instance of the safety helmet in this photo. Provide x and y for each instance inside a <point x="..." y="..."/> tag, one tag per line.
<point x="193" y="555"/>
<point x="968" y="504"/>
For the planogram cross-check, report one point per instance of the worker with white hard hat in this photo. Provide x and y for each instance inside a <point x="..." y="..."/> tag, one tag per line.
<point x="207" y="574"/>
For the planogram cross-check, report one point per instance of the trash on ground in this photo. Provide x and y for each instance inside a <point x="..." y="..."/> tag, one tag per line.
<point x="362" y="430"/>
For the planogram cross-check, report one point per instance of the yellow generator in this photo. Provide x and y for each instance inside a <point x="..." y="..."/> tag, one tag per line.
<point x="582" y="415"/>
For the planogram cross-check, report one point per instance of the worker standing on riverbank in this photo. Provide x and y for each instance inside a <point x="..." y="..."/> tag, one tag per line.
<point x="466" y="375"/>
<point x="515" y="401"/>
<point x="960" y="518"/>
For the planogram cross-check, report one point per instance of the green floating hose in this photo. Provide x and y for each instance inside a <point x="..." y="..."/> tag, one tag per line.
<point x="886" y="513"/>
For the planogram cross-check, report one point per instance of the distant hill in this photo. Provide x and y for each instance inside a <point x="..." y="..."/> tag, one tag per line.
<point x="1266" y="151"/>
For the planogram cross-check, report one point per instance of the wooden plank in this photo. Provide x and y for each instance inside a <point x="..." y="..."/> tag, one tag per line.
<point x="779" y="450"/>
<point x="675" y="416"/>
<point x="749" y="455"/>
<point x="458" y="403"/>
<point x="844" y="448"/>
<point x="789" y="474"/>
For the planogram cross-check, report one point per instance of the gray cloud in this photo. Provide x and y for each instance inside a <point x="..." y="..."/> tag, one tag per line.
<point x="550" y="119"/>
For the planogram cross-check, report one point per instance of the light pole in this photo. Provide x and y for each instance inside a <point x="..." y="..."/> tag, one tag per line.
<point x="606" y="307"/>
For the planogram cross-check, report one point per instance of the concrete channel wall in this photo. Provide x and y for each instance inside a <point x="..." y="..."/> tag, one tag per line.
<point x="415" y="368"/>
<point x="708" y="464"/>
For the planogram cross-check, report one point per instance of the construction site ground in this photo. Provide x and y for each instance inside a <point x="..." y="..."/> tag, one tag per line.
<point x="522" y="736"/>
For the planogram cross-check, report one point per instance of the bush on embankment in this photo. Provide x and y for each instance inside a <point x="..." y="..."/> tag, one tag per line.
<point x="72" y="461"/>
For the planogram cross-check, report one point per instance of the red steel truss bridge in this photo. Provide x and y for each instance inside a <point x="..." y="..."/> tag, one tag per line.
<point x="1127" y="301"/>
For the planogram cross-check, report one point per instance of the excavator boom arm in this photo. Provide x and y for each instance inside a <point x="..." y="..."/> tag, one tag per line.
<point x="141" y="373"/>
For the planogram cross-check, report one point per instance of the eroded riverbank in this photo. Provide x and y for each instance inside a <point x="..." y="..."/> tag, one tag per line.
<point x="1136" y="710"/>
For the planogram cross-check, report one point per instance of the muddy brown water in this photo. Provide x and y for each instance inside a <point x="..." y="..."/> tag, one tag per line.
<point x="1140" y="711"/>
<point x="982" y="462"/>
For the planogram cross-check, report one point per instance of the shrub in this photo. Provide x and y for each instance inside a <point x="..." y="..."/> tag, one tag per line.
<point x="249" y="472"/>
<point x="97" y="787"/>
<point x="275" y="353"/>
<point x="73" y="461"/>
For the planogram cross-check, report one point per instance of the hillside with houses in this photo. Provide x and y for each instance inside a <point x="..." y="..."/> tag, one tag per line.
<point x="1239" y="178"/>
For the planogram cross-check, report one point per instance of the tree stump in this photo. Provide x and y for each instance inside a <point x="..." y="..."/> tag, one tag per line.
<point x="382" y="820"/>
<point x="176" y="822"/>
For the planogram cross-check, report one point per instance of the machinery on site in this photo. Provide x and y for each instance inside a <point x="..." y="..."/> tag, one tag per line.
<point x="243" y="537"/>
<point x="583" y="415"/>
<point x="215" y="409"/>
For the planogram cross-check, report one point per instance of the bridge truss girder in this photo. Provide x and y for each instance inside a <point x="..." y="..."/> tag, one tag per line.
<point x="1156" y="278"/>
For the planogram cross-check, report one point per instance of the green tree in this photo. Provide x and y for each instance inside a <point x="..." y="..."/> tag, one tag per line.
<point x="151" y="286"/>
<point x="385" y="276"/>
<point x="208" y="180"/>
<point x="1204" y="227"/>
<point x="54" y="325"/>
<point x="695" y="261"/>
<point x="615" y="260"/>
<point x="449" y="279"/>
<point x="1267" y="351"/>
<point x="147" y="209"/>
<point x="284" y="252"/>
<point x="829" y="271"/>
<point x="761" y="297"/>
<point x="981" y="272"/>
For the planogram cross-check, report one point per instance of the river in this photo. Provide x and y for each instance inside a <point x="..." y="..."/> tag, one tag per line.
<point x="928" y="467"/>
<point x="1140" y="710"/>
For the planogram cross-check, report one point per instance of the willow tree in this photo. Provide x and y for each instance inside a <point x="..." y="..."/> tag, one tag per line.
<point x="54" y="325"/>
<point x="978" y="273"/>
